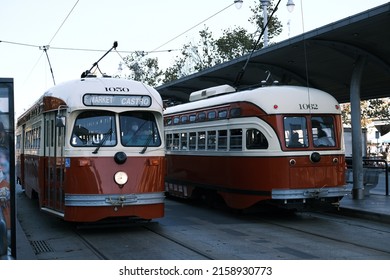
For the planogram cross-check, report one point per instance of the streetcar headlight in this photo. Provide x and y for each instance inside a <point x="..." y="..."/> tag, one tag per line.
<point x="121" y="178"/>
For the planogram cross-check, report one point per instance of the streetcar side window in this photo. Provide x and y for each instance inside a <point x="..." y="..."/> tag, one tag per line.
<point x="235" y="112"/>
<point x="93" y="128"/>
<point x="139" y="129"/>
<point x="201" y="140"/>
<point x="183" y="141"/>
<point x="211" y="115"/>
<point x="211" y="140"/>
<point x="192" y="141"/>
<point x="202" y="116"/>
<point x="169" y="141"/>
<point x="255" y="140"/>
<point x="18" y="141"/>
<point x="323" y="131"/>
<point x="222" y="114"/>
<point x="222" y="140"/>
<point x="295" y="132"/>
<point x="236" y="139"/>
<point x="184" y="119"/>
<point x="175" y="143"/>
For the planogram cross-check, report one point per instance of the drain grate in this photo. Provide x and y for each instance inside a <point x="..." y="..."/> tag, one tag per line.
<point x="40" y="246"/>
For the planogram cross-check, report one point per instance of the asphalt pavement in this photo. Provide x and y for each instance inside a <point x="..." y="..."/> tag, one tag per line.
<point x="374" y="206"/>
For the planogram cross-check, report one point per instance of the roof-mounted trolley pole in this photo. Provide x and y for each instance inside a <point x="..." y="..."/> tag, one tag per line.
<point x="357" y="160"/>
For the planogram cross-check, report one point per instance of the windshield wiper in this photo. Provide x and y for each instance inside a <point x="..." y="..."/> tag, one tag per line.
<point x="147" y="143"/>
<point x="106" y="135"/>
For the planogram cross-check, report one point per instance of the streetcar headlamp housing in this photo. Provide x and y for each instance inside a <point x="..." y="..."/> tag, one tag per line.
<point x="121" y="178"/>
<point x="315" y="157"/>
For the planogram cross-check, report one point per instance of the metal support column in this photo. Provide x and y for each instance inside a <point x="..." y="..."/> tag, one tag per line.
<point x="357" y="160"/>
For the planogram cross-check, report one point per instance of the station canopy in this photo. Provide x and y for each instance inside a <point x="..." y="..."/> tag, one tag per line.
<point x="323" y="58"/>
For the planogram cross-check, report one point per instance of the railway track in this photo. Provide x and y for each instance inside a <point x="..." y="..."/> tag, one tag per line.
<point x="366" y="237"/>
<point x="195" y="232"/>
<point x="97" y="248"/>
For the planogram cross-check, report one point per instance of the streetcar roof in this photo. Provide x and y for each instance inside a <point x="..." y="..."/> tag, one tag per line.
<point x="272" y="100"/>
<point x="73" y="91"/>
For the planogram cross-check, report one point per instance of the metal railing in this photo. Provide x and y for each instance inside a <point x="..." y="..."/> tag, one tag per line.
<point x="372" y="164"/>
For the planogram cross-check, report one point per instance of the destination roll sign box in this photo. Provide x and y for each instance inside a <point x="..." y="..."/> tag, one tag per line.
<point x="117" y="100"/>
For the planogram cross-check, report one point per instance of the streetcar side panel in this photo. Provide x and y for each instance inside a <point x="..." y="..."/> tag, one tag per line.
<point x="240" y="146"/>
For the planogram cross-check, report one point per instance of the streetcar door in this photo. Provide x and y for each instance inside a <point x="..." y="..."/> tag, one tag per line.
<point x="54" y="163"/>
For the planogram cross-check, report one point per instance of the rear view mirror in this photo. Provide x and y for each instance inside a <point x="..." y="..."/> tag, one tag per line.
<point x="60" y="121"/>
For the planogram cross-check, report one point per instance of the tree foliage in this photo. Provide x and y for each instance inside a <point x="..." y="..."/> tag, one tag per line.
<point x="143" y="69"/>
<point x="370" y="110"/>
<point x="205" y="53"/>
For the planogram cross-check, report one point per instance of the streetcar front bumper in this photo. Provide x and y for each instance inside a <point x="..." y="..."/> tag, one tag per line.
<point x="114" y="199"/>
<point x="312" y="193"/>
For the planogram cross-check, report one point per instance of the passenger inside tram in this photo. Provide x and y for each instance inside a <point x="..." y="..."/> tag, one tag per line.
<point x="323" y="139"/>
<point x="294" y="142"/>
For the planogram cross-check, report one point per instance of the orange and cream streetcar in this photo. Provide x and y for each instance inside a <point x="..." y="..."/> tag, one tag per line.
<point x="93" y="149"/>
<point x="277" y="144"/>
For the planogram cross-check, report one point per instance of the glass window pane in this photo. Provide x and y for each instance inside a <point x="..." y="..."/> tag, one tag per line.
<point x="323" y="131"/>
<point x="169" y="141"/>
<point x="183" y="141"/>
<point x="295" y="132"/>
<point x="201" y="140"/>
<point x="192" y="141"/>
<point x="211" y="140"/>
<point x="175" y="143"/>
<point x="222" y="114"/>
<point x="255" y="139"/>
<point x="236" y="139"/>
<point x="201" y="117"/>
<point x="211" y="115"/>
<point x="139" y="129"/>
<point x="222" y="140"/>
<point x="93" y="128"/>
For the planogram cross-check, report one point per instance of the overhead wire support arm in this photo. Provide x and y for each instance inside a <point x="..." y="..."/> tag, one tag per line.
<point x="84" y="74"/>
<point x="45" y="48"/>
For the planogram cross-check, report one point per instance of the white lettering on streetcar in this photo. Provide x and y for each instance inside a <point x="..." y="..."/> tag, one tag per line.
<point x="101" y="99"/>
<point x="117" y="100"/>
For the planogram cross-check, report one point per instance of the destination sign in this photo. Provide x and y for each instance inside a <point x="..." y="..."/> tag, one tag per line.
<point x="117" y="100"/>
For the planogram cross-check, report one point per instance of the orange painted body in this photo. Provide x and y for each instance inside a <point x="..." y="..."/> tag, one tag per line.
<point x="244" y="181"/>
<point x="94" y="176"/>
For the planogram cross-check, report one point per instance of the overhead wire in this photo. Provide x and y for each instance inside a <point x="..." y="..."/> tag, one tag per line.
<point x="63" y="22"/>
<point x="155" y="50"/>
<point x="80" y="49"/>
<point x="189" y="29"/>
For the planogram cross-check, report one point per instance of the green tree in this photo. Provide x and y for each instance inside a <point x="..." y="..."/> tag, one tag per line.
<point x="143" y="69"/>
<point x="371" y="110"/>
<point x="234" y="43"/>
<point x="274" y="26"/>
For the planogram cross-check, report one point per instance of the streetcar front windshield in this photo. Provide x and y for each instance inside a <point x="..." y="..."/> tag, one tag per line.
<point x="94" y="128"/>
<point x="139" y="129"/>
<point x="323" y="131"/>
<point x="295" y="132"/>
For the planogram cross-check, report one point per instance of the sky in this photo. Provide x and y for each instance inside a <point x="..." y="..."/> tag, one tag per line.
<point x="78" y="32"/>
